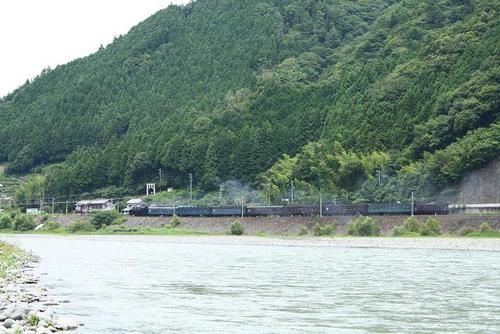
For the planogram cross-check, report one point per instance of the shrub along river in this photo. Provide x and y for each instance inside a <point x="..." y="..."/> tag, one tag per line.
<point x="153" y="285"/>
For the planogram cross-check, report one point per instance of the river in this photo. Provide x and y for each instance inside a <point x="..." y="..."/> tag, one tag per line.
<point x="151" y="285"/>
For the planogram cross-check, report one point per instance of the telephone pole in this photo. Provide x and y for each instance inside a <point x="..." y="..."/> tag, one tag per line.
<point x="412" y="204"/>
<point x="269" y="193"/>
<point x="241" y="199"/>
<point x="159" y="185"/>
<point x="320" y="204"/>
<point x="293" y="191"/>
<point x="190" y="188"/>
<point x="42" y="203"/>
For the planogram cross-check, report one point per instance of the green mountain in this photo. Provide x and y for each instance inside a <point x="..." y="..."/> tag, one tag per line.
<point x="371" y="99"/>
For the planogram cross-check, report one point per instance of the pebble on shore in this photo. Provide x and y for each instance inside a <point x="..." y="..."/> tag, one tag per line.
<point x="25" y="307"/>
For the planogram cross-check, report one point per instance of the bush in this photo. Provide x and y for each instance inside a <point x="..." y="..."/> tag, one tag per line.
<point x="485" y="227"/>
<point x="398" y="231"/>
<point x="465" y="231"/>
<point x="319" y="230"/>
<point x="236" y="228"/>
<point x="80" y="226"/>
<point x="411" y="225"/>
<point x="33" y="320"/>
<point x="23" y="223"/>
<point x="105" y="218"/>
<point x="175" y="221"/>
<point x="303" y="230"/>
<point x="5" y="221"/>
<point x="363" y="226"/>
<point x="51" y="226"/>
<point x="431" y="227"/>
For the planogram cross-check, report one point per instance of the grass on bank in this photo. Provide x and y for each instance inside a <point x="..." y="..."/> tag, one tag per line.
<point x="141" y="230"/>
<point x="112" y="223"/>
<point x="9" y="257"/>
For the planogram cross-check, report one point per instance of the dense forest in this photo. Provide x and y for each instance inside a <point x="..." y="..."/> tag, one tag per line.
<point x="357" y="100"/>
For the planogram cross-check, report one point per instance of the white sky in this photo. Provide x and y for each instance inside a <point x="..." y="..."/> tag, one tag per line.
<point x="35" y="34"/>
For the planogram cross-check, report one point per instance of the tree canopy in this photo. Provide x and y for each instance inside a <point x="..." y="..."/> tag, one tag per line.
<point x="327" y="93"/>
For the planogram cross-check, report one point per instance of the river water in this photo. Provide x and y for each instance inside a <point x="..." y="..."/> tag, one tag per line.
<point x="151" y="285"/>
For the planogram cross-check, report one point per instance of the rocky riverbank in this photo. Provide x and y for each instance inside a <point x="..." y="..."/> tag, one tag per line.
<point x="25" y="306"/>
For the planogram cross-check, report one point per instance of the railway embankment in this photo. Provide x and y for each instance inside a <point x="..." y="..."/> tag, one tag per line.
<point x="289" y="226"/>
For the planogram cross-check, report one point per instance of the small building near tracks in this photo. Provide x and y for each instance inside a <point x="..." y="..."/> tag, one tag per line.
<point x="95" y="204"/>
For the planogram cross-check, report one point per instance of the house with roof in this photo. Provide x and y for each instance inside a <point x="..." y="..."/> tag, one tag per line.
<point x="95" y="204"/>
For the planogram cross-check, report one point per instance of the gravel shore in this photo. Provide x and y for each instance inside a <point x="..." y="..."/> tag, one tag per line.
<point x="345" y="242"/>
<point x="25" y="307"/>
<point x="468" y="244"/>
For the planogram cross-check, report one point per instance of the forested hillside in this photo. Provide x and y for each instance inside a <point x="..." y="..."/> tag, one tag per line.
<point x="362" y="100"/>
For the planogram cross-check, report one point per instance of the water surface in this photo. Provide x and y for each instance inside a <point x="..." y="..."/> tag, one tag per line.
<point x="150" y="285"/>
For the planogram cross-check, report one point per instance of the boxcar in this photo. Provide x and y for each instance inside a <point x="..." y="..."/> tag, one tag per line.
<point x="160" y="211"/>
<point x="291" y="211"/>
<point x="193" y="211"/>
<point x="227" y="211"/>
<point x="345" y="209"/>
<point x="264" y="211"/>
<point x="389" y="209"/>
<point x="309" y="210"/>
<point x="431" y="209"/>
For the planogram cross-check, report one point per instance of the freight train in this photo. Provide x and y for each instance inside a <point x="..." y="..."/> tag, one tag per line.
<point x="292" y="211"/>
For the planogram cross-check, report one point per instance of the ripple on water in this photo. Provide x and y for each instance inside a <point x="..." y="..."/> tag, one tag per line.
<point x="159" y="287"/>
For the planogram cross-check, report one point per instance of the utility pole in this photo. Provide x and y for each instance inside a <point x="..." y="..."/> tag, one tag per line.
<point x="320" y="204"/>
<point x="241" y="200"/>
<point x="379" y="175"/>
<point x="43" y="199"/>
<point x="66" y="206"/>
<point x="269" y="193"/>
<point x="53" y="205"/>
<point x="190" y="188"/>
<point x="159" y="185"/>
<point x="293" y="191"/>
<point x="412" y="204"/>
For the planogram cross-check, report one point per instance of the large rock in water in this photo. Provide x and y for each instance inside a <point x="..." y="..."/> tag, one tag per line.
<point x="65" y="324"/>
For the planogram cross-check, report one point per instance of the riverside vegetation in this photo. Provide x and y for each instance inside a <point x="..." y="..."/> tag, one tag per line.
<point x="104" y="222"/>
<point x="182" y="90"/>
<point x="111" y="222"/>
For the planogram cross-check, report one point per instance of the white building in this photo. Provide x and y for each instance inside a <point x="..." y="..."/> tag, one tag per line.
<point x="95" y="204"/>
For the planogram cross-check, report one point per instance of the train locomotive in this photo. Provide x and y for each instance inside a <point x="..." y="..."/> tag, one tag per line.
<point x="291" y="211"/>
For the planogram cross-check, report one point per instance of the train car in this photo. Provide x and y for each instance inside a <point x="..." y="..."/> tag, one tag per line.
<point x="139" y="211"/>
<point x="431" y="209"/>
<point x="193" y="211"/>
<point x="309" y="210"/>
<point x="291" y="211"/>
<point x="161" y="211"/>
<point x="230" y="211"/>
<point x="255" y="211"/>
<point x="389" y="209"/>
<point x="345" y="209"/>
<point x="473" y="208"/>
